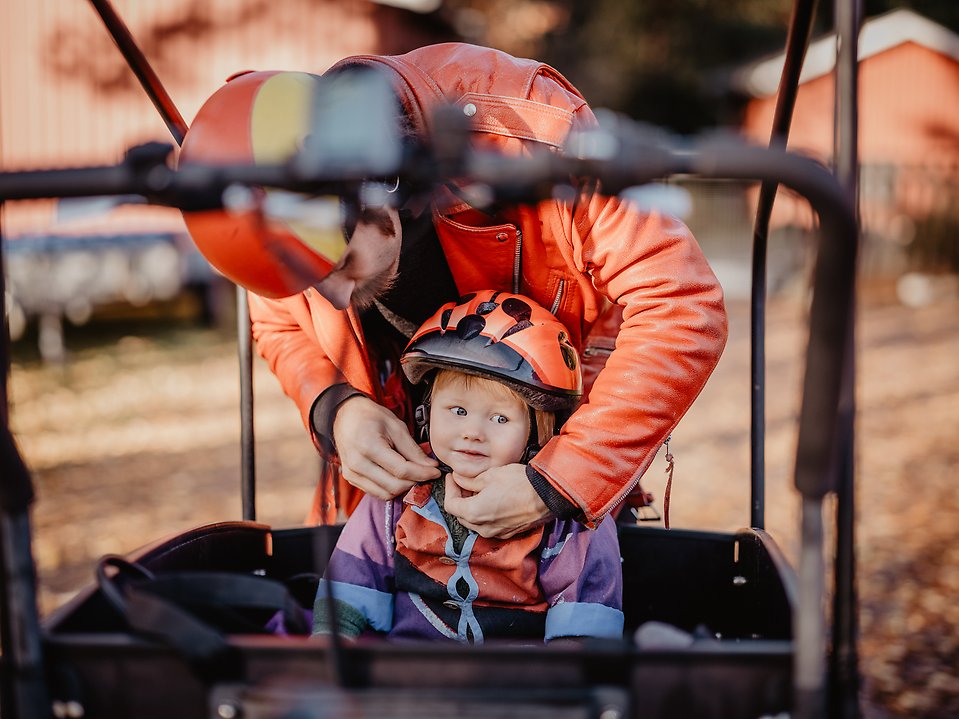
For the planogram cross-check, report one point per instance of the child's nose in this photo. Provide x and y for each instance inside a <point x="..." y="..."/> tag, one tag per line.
<point x="473" y="429"/>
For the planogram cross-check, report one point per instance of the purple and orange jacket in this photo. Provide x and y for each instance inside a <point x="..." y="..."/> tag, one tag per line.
<point x="395" y="563"/>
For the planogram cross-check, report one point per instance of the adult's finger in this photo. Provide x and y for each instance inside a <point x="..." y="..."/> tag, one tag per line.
<point x="504" y="508"/>
<point x="472" y="485"/>
<point x="409" y="474"/>
<point x="408" y="461"/>
<point x="374" y="480"/>
<point x="496" y="529"/>
<point x="385" y="456"/>
<point x="460" y="503"/>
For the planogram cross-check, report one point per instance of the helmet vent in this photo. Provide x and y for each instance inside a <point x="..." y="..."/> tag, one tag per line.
<point x="470" y="326"/>
<point x="517" y="309"/>
<point x="518" y="327"/>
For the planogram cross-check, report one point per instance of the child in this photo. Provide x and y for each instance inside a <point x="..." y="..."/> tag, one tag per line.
<point x="501" y="369"/>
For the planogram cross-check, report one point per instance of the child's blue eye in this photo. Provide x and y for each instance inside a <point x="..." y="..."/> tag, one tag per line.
<point x="500" y="419"/>
<point x="458" y="411"/>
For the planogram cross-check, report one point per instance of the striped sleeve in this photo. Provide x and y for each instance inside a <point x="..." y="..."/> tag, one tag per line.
<point x="582" y="578"/>
<point x="360" y="572"/>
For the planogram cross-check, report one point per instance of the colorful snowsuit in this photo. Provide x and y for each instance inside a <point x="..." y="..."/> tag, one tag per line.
<point x="395" y="562"/>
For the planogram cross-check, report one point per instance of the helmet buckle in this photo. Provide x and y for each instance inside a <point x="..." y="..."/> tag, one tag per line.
<point x="421" y="416"/>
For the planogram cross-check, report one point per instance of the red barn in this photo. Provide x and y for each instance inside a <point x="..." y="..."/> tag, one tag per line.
<point x="908" y="133"/>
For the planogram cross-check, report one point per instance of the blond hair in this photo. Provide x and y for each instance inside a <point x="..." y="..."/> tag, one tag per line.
<point x="545" y="421"/>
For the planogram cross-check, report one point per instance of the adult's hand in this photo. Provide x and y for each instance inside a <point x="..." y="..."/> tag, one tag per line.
<point x="377" y="453"/>
<point x="499" y="503"/>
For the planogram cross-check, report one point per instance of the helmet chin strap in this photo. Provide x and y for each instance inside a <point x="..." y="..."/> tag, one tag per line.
<point x="421" y="416"/>
<point x="532" y="443"/>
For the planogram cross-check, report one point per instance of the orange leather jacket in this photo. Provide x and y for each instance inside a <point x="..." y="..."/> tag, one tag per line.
<point x="632" y="287"/>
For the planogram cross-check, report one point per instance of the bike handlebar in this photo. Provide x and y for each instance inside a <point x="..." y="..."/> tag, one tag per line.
<point x="624" y="156"/>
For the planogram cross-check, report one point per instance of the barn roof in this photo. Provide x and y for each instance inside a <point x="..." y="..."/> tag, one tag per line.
<point x="878" y="34"/>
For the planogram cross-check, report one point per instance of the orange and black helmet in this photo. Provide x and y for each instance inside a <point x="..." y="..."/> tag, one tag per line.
<point x="259" y="118"/>
<point x="502" y="336"/>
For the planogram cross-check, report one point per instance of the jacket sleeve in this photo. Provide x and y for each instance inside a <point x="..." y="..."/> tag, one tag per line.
<point x="582" y="579"/>
<point x="285" y="338"/>
<point x="672" y="335"/>
<point x="360" y="572"/>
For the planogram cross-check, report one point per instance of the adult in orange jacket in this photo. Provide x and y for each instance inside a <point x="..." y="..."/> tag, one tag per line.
<point x="633" y="287"/>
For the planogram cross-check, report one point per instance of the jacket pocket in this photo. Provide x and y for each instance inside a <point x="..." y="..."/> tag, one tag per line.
<point x="479" y="258"/>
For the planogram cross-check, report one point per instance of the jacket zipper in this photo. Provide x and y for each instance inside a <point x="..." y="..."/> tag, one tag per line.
<point x="638" y="480"/>
<point x="558" y="298"/>
<point x="517" y="261"/>
<point x="593" y="350"/>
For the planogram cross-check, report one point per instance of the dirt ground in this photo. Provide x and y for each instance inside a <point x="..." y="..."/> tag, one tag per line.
<point x="137" y="437"/>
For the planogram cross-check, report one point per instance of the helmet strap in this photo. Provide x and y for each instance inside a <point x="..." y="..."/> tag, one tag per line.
<point x="532" y="442"/>
<point x="421" y="416"/>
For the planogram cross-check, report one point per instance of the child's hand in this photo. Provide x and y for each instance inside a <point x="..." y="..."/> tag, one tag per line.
<point x="499" y="503"/>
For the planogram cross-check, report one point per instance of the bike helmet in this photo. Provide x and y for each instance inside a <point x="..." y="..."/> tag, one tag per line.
<point x="259" y="118"/>
<point x="501" y="336"/>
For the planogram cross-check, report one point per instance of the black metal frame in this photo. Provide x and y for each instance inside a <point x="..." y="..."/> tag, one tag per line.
<point x="87" y="640"/>
<point x="826" y="417"/>
<point x="797" y="40"/>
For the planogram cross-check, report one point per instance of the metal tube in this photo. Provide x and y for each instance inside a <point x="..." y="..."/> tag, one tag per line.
<point x="844" y="661"/>
<point x="70" y="182"/>
<point x="797" y="41"/>
<point x="247" y="447"/>
<point x="142" y="69"/>
<point x="4" y="332"/>
<point x="809" y="621"/>
<point x="23" y="692"/>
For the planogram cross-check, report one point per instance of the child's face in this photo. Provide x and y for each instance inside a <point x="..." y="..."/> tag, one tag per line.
<point x="477" y="425"/>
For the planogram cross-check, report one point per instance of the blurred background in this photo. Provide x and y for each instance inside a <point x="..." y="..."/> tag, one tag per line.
<point x="124" y="386"/>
